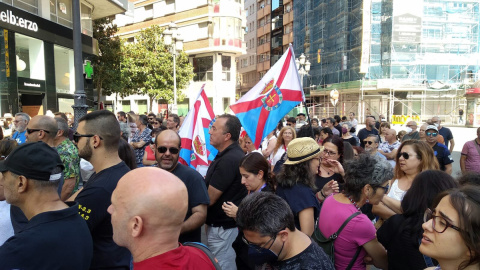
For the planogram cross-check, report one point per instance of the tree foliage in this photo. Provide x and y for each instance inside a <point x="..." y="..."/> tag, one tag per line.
<point x="147" y="67"/>
<point x="107" y="75"/>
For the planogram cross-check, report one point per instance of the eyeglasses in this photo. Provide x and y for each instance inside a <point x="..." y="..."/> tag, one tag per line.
<point x="368" y="142"/>
<point x="405" y="155"/>
<point x="385" y="188"/>
<point x="77" y="136"/>
<point x="433" y="134"/>
<point x="439" y="223"/>
<point x="329" y="153"/>
<point x="31" y="130"/>
<point x="289" y="124"/>
<point x="156" y="123"/>
<point x="172" y="150"/>
<point x="257" y="247"/>
<point x="150" y="118"/>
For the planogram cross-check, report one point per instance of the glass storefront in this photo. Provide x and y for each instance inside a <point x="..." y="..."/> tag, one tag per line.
<point x="64" y="70"/>
<point x="30" y="57"/>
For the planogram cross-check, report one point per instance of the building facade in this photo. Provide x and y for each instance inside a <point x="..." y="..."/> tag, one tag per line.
<point x="213" y="32"/>
<point x="36" y="52"/>
<point x="391" y="57"/>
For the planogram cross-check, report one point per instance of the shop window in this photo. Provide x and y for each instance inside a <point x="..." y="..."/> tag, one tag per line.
<point x="126" y="105"/>
<point x="30" y="57"/>
<point x="27" y="5"/>
<point x="142" y="106"/>
<point x="226" y="103"/>
<point x="226" y="64"/>
<point x="64" y="70"/>
<point x="65" y="105"/>
<point x="203" y="69"/>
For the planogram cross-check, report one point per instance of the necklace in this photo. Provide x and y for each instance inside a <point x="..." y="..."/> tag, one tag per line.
<point x="327" y="170"/>
<point x="354" y="203"/>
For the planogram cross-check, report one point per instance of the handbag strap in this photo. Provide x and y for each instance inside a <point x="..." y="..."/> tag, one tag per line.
<point x="350" y="265"/>
<point x="336" y="234"/>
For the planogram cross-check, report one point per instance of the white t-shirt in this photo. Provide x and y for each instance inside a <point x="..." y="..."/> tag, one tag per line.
<point x="395" y="192"/>
<point x="6" y="228"/>
<point x="276" y="156"/>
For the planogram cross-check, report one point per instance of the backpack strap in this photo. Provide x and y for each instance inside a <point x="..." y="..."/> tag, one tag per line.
<point x="336" y="234"/>
<point x="350" y="265"/>
<point x="205" y="250"/>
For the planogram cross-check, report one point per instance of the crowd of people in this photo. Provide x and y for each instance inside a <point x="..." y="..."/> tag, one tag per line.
<point x="113" y="194"/>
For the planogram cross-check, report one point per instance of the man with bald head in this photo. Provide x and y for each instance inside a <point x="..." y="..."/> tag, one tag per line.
<point x="167" y="145"/>
<point x="412" y="133"/>
<point x="147" y="217"/>
<point x="389" y="147"/>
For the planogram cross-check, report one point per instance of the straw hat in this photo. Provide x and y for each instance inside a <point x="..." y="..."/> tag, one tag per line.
<point x="301" y="149"/>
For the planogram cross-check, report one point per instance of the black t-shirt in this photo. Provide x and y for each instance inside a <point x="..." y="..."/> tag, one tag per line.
<point x="402" y="247"/>
<point x="94" y="200"/>
<point x="447" y="135"/>
<point x="339" y="128"/>
<point x="363" y="134"/>
<point x="351" y="140"/>
<point x="321" y="181"/>
<point x="51" y="240"/>
<point x="443" y="155"/>
<point x="197" y="194"/>
<point x="299" y="197"/>
<point x="224" y="175"/>
<point x="312" y="258"/>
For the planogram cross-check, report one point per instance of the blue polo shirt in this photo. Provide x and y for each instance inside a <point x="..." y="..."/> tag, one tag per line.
<point x="51" y="240"/>
<point x="443" y="155"/>
<point x="20" y="137"/>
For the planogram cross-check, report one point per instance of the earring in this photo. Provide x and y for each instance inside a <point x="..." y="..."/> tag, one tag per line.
<point x="94" y="147"/>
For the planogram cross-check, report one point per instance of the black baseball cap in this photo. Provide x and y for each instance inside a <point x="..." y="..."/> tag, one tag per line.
<point x="35" y="160"/>
<point x="301" y="114"/>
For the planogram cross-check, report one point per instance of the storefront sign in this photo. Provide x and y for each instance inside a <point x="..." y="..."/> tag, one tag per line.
<point x="8" y="17"/>
<point x="30" y="84"/>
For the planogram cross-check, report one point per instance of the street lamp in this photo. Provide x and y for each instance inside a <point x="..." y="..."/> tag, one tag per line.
<point x="171" y="37"/>
<point x="303" y="69"/>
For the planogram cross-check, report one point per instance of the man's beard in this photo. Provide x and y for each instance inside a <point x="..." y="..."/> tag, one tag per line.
<point x="86" y="151"/>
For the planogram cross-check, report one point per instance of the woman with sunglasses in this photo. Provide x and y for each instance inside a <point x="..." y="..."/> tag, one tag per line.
<point x="286" y="135"/>
<point x="256" y="176"/>
<point x="401" y="234"/>
<point x="149" y="155"/>
<point x="452" y="230"/>
<point x="413" y="157"/>
<point x="366" y="181"/>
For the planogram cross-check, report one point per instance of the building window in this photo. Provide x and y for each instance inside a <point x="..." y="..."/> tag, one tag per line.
<point x="86" y="19"/>
<point x="30" y="57"/>
<point x="203" y="69"/>
<point x="226" y="64"/>
<point x="27" y="5"/>
<point x="61" y="12"/>
<point x="126" y="105"/>
<point x="64" y="70"/>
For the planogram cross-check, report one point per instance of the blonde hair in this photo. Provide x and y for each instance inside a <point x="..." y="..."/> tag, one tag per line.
<point x="425" y="154"/>
<point x="280" y="140"/>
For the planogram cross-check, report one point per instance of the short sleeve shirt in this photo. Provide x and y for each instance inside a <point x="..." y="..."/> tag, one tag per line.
<point x="93" y="202"/>
<point x="312" y="258"/>
<point x="357" y="232"/>
<point x="223" y="174"/>
<point x="443" y="155"/>
<point x="69" y="156"/>
<point x="472" y="162"/>
<point x="19" y="137"/>
<point x="414" y="136"/>
<point x="141" y="137"/>
<point x="363" y="134"/>
<point x="197" y="195"/>
<point x="299" y="197"/>
<point x="447" y="135"/>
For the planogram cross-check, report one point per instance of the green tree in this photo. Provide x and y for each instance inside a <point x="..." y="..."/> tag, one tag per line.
<point x="106" y="66"/>
<point x="147" y="67"/>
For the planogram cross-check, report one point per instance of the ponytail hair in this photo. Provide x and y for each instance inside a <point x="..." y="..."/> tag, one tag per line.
<point x="256" y="162"/>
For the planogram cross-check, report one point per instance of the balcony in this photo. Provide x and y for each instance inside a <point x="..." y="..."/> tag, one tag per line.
<point x="264" y="11"/>
<point x="288" y="18"/>
<point x="263" y="30"/>
<point x="288" y="38"/>
<point x="276" y="42"/>
<point x="261" y="49"/>
<point x="105" y="8"/>
<point x="263" y="66"/>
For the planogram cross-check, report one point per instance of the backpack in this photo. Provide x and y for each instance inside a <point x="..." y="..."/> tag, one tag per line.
<point x="205" y="250"/>
<point x="327" y="243"/>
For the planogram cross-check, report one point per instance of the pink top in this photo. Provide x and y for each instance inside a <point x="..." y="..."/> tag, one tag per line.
<point x="358" y="231"/>
<point x="472" y="162"/>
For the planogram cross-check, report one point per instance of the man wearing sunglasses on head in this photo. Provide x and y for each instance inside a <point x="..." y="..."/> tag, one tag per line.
<point x="167" y="145"/>
<point x="441" y="151"/>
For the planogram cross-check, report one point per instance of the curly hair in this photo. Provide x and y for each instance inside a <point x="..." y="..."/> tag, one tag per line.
<point x="366" y="170"/>
<point x="290" y="175"/>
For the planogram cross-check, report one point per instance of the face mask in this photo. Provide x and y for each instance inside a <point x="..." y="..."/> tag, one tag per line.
<point x="263" y="255"/>
<point x="344" y="131"/>
<point x="409" y="129"/>
<point x="153" y="140"/>
<point x="436" y="125"/>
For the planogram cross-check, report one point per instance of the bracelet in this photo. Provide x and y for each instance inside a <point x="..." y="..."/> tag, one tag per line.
<point x="318" y="198"/>
<point x="321" y="192"/>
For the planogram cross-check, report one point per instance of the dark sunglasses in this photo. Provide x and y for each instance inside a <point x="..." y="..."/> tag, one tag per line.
<point x="172" y="150"/>
<point x="289" y="124"/>
<point x="31" y="130"/>
<point x="405" y="155"/>
<point x="368" y="142"/>
<point x="77" y="136"/>
<point x="151" y="118"/>
<point x="434" y="134"/>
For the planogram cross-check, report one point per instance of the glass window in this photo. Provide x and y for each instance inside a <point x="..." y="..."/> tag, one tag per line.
<point x="126" y="105"/>
<point x="226" y="64"/>
<point x="142" y="106"/>
<point x="61" y="12"/>
<point x="30" y="57"/>
<point x="27" y="5"/>
<point x="86" y="18"/>
<point x="65" y="105"/>
<point x="64" y="70"/>
<point x="203" y="69"/>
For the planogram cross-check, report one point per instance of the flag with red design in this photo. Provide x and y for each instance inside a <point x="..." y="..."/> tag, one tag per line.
<point x="275" y="95"/>
<point x="196" y="150"/>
